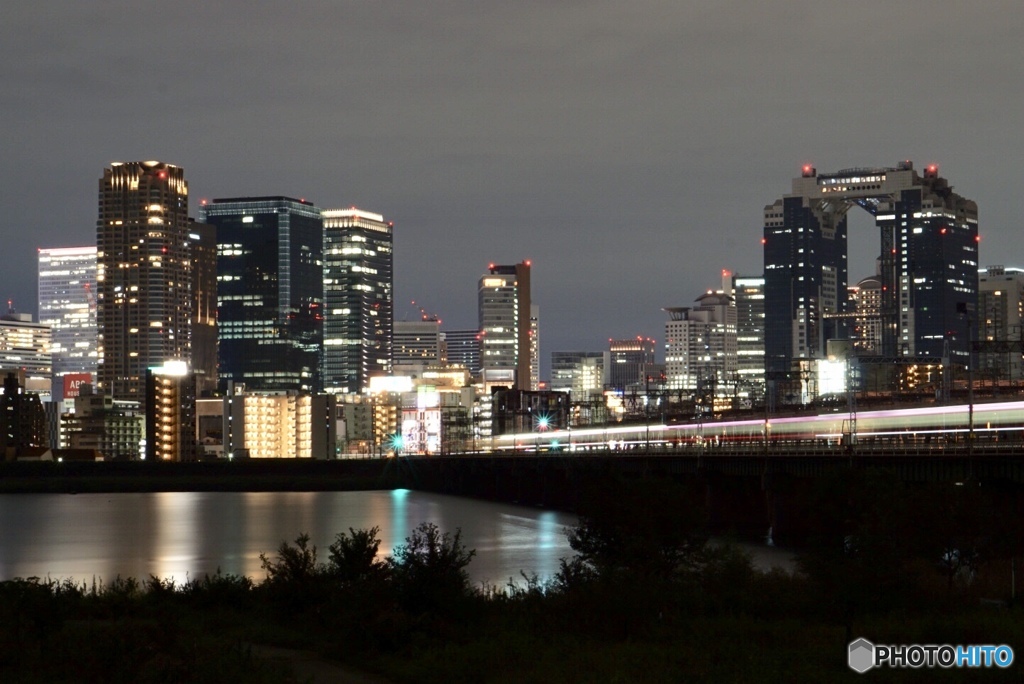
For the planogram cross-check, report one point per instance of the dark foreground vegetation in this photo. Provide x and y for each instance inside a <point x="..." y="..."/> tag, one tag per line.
<point x="645" y="599"/>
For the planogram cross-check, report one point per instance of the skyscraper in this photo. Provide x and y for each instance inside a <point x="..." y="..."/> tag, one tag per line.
<point x="579" y="372"/>
<point x="269" y="291"/>
<point x="25" y="351"/>
<point x="417" y="342"/>
<point x="504" y="309"/>
<point x="928" y="263"/>
<point x="700" y="345"/>
<point x="748" y="295"/>
<point x="1000" y="328"/>
<point x="867" y="301"/>
<point x="203" y="244"/>
<point x="534" y="346"/>
<point x="358" y="285"/>
<point x="461" y="348"/>
<point x="143" y="275"/>
<point x="171" y="413"/>
<point x="630" y="361"/>
<point x="67" y="303"/>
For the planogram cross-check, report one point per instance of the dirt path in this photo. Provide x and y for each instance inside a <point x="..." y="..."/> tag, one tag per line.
<point x="310" y="668"/>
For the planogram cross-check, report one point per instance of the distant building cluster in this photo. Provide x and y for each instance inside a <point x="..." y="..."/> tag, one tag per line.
<point x="265" y="328"/>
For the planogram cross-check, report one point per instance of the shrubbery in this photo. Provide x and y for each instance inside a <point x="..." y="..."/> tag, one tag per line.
<point x="646" y="597"/>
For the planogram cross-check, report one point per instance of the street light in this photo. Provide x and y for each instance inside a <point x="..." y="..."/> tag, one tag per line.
<point x="966" y="311"/>
<point x="397" y="442"/>
<point x="542" y="425"/>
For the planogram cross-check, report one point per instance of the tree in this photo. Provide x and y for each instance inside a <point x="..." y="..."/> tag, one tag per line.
<point x="651" y="528"/>
<point x="429" y="570"/>
<point x="294" y="564"/>
<point x="353" y="557"/>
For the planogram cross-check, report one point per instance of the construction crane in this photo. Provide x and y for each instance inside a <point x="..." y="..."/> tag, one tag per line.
<point x="426" y="315"/>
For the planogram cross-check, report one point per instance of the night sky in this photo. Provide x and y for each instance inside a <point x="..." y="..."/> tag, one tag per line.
<point x="626" y="148"/>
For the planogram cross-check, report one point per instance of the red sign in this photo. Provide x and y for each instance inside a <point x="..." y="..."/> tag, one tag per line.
<point x="73" y="383"/>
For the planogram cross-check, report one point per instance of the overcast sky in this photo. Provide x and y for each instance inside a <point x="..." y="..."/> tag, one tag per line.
<point x="626" y="148"/>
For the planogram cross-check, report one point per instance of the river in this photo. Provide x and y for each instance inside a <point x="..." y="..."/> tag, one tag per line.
<point x="182" y="535"/>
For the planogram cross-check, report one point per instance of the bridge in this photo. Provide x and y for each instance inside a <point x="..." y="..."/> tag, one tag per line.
<point x="748" y="490"/>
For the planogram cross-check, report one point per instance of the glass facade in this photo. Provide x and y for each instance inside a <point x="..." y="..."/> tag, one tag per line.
<point x="269" y="292"/>
<point x="67" y="303"/>
<point x="928" y="263"/>
<point x="358" y="295"/>
<point x="505" y="326"/>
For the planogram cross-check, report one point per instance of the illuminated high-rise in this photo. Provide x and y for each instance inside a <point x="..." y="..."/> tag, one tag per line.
<point x="67" y="303"/>
<point x="700" y="344"/>
<point x="748" y="296"/>
<point x="358" y="300"/>
<point x="417" y="342"/>
<point x="1000" y="328"/>
<point x="461" y="348"/>
<point x="143" y="274"/>
<point x="631" y="359"/>
<point x="506" y="350"/>
<point x="928" y="264"/>
<point x="580" y="372"/>
<point x="269" y="291"/>
<point x="203" y="244"/>
<point x="25" y="351"/>
<point x="171" y="413"/>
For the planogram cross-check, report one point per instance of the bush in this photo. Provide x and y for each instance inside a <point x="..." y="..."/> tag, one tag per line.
<point x="641" y="529"/>
<point x="429" y="570"/>
<point x="294" y="564"/>
<point x="353" y="557"/>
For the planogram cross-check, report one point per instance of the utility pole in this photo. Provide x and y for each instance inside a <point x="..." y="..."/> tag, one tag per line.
<point x="965" y="309"/>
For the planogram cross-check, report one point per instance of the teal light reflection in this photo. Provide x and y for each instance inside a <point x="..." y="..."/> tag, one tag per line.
<point x="399" y="512"/>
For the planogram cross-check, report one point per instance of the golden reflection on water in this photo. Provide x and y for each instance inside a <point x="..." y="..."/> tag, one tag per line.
<point x="185" y="535"/>
<point x="174" y="544"/>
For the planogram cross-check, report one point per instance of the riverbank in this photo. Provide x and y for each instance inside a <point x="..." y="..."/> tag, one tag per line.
<point x="246" y="475"/>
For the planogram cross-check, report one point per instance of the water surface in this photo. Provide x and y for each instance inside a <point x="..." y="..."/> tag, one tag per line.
<point x="183" y="535"/>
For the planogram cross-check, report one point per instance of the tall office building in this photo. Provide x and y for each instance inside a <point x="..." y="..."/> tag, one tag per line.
<point x="203" y="244"/>
<point x="630" y="361"/>
<point x="928" y="263"/>
<point x="700" y="345"/>
<point x="1000" y="330"/>
<point x="506" y="354"/>
<point x="417" y="342"/>
<point x="461" y="348"/>
<point x="534" y="346"/>
<point x="579" y="372"/>
<point x="748" y="297"/>
<point x="22" y="418"/>
<point x="358" y="296"/>
<point x="270" y="287"/>
<point x="143" y="274"/>
<point x="67" y="303"/>
<point x="25" y="351"/>
<point x="866" y="297"/>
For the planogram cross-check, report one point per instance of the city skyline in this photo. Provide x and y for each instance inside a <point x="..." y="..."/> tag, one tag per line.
<point x="628" y="154"/>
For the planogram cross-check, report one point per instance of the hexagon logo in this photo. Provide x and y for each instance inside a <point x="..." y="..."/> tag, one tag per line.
<point x="862" y="655"/>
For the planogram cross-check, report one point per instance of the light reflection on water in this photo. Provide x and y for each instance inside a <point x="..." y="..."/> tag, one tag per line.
<point x="183" y="535"/>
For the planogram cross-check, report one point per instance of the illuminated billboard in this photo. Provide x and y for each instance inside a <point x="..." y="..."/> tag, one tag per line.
<point x="73" y="384"/>
<point x="421" y="431"/>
